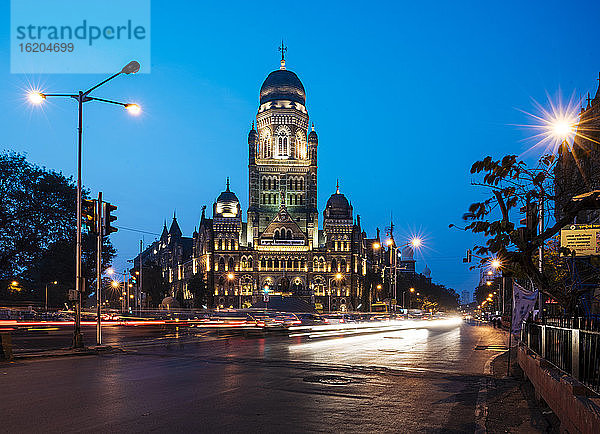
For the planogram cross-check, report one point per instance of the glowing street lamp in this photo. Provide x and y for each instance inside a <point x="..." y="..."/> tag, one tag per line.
<point x="114" y="284"/>
<point x="376" y="245"/>
<point x="37" y="97"/>
<point x="496" y="264"/>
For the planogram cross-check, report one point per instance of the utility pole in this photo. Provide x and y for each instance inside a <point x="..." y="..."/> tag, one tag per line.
<point x="141" y="268"/>
<point x="99" y="270"/>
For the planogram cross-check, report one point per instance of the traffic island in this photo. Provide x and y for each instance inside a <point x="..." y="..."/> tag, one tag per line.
<point x="576" y="406"/>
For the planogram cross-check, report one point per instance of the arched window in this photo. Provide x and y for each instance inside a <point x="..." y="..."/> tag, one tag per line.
<point x="266" y="144"/>
<point x="231" y="264"/>
<point x="276" y="236"/>
<point x="244" y="263"/>
<point x="269" y="263"/>
<point x="302" y="184"/>
<point x="343" y="265"/>
<point x="289" y="234"/>
<point x="315" y="264"/>
<point x="269" y="184"/>
<point x="250" y="262"/>
<point x="263" y="263"/>
<point x="289" y="264"/>
<point x="302" y="264"/>
<point x="276" y="263"/>
<point x="301" y="200"/>
<point x="333" y="265"/>
<point x="296" y="264"/>
<point x="221" y="263"/>
<point x="264" y="183"/>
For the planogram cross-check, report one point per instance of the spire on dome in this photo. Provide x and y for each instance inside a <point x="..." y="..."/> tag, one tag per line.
<point x="283" y="49"/>
<point x="165" y="232"/>
<point x="227" y="189"/>
<point x="313" y="126"/>
<point x="337" y="187"/>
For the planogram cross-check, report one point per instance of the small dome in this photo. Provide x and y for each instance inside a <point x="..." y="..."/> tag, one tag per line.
<point x="408" y="253"/>
<point x="338" y="206"/>
<point x="312" y="136"/>
<point x="227" y="204"/>
<point x="282" y="85"/>
<point x="252" y="136"/>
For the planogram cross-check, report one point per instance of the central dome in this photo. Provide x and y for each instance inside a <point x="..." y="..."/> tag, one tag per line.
<point x="282" y="85"/>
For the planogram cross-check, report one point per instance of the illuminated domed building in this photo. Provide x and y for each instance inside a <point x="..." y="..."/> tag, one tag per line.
<point x="280" y="248"/>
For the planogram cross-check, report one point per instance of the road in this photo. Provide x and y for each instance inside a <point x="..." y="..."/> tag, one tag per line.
<point x="417" y="380"/>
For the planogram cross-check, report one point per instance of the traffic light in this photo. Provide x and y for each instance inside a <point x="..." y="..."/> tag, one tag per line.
<point x="109" y="218"/>
<point x="89" y="215"/>
<point x="467" y="259"/>
<point x="530" y="221"/>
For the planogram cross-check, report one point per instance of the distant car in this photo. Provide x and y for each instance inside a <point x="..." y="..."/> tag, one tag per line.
<point x="311" y="319"/>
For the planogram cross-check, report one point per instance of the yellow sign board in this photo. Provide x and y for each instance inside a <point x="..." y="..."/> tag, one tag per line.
<point x="584" y="240"/>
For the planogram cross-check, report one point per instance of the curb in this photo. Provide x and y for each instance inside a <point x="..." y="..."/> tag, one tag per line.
<point x="90" y="351"/>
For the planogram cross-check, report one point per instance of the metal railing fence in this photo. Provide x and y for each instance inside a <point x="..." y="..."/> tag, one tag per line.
<point x="570" y="344"/>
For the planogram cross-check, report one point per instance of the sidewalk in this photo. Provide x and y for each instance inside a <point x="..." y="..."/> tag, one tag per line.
<point x="66" y="352"/>
<point x="511" y="404"/>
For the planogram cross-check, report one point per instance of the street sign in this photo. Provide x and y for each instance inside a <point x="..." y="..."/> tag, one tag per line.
<point x="584" y="240"/>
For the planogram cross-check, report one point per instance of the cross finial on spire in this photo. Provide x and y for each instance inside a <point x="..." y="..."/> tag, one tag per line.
<point x="252" y="124"/>
<point x="588" y="99"/>
<point x="228" y="183"/>
<point x="283" y="49"/>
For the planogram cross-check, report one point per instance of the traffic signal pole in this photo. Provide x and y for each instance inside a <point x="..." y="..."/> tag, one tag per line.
<point x="99" y="271"/>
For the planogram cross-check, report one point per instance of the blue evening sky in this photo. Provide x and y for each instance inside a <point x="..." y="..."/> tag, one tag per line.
<point x="405" y="96"/>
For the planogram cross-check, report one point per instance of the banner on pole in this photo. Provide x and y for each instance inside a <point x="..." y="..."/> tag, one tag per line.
<point x="523" y="303"/>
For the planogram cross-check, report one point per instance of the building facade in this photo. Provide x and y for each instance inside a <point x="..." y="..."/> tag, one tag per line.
<point x="280" y="249"/>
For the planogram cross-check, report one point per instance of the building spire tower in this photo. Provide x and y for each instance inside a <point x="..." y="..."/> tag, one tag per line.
<point x="283" y="49"/>
<point x="282" y="157"/>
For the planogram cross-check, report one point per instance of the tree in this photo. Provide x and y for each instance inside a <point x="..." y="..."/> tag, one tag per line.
<point x="198" y="288"/>
<point x="512" y="184"/>
<point x="37" y="229"/>
<point x="153" y="284"/>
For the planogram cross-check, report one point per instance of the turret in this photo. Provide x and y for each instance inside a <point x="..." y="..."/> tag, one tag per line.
<point x="313" y="142"/>
<point x="252" y="142"/>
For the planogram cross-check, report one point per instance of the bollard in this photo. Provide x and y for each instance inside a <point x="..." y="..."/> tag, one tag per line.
<point x="5" y="346"/>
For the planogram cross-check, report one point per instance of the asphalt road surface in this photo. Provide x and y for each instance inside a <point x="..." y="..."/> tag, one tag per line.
<point x="416" y="380"/>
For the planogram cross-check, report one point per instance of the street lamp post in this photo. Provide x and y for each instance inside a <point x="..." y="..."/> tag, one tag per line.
<point x="337" y="277"/>
<point x="49" y="283"/>
<point x="231" y="277"/>
<point x="414" y="242"/>
<point x="82" y="97"/>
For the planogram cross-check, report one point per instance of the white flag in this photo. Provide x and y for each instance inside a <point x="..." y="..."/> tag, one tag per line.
<point x="523" y="303"/>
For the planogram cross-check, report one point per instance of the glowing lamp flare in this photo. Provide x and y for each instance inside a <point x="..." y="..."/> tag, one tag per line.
<point x="133" y="109"/>
<point x="416" y="242"/>
<point x="36" y="97"/>
<point x="496" y="263"/>
<point x="114" y="284"/>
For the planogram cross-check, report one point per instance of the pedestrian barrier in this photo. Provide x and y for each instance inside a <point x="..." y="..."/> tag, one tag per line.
<point x="570" y="344"/>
